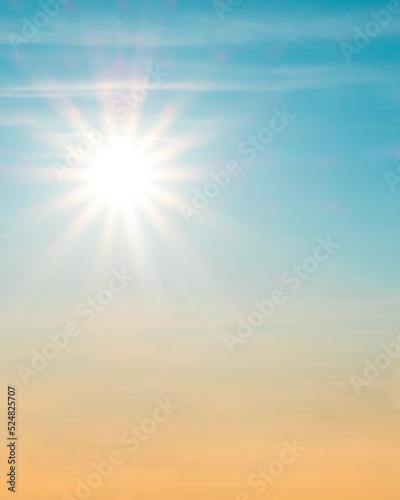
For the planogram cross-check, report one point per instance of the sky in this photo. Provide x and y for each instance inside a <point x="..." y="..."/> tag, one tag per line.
<point x="205" y="196"/>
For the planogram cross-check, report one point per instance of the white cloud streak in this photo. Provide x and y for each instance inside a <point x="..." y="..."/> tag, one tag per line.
<point x="237" y="79"/>
<point x="205" y="30"/>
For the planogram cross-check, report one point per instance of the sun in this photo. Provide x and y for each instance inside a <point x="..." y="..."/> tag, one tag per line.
<point x="120" y="174"/>
<point x="128" y="189"/>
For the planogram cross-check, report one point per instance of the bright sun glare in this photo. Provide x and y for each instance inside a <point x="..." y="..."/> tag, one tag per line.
<point x="120" y="174"/>
<point x="127" y="184"/>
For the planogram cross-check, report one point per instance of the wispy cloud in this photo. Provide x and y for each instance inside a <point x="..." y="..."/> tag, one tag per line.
<point x="237" y="79"/>
<point x="204" y="30"/>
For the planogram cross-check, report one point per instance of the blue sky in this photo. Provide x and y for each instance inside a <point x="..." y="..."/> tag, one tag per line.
<point x="323" y="175"/>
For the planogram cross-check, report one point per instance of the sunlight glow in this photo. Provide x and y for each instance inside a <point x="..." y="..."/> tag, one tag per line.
<point x="121" y="174"/>
<point x="124" y="193"/>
